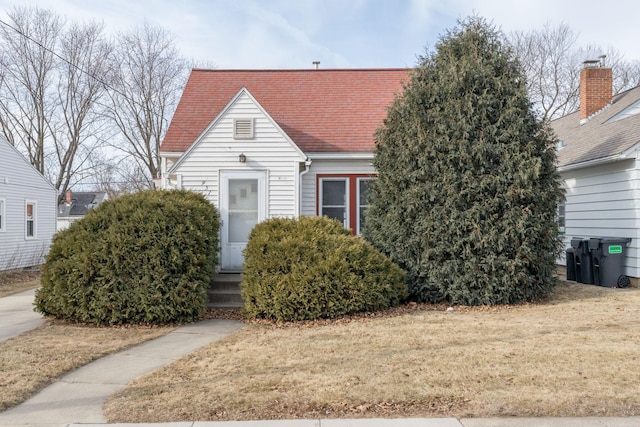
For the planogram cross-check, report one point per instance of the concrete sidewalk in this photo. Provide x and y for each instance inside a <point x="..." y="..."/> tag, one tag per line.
<point x="406" y="422"/>
<point x="17" y="315"/>
<point x="78" y="396"/>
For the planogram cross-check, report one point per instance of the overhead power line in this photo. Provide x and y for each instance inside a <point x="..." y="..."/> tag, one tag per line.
<point x="77" y="67"/>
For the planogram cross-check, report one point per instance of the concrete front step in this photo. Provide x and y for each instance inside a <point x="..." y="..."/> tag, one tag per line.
<point x="225" y="291"/>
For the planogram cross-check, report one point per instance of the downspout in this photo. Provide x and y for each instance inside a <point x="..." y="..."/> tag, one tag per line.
<point x="307" y="164"/>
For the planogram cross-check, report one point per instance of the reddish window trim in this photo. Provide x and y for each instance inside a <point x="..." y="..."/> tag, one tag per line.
<point x="352" y="179"/>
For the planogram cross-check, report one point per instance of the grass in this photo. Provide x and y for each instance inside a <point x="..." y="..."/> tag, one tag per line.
<point x="577" y="354"/>
<point x="12" y="282"/>
<point x="37" y="358"/>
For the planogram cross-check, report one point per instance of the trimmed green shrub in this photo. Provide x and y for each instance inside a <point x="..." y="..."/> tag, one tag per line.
<point x="310" y="268"/>
<point x="467" y="187"/>
<point x="147" y="257"/>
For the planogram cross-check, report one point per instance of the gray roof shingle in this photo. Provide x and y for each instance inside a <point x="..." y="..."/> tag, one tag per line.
<point x="596" y="139"/>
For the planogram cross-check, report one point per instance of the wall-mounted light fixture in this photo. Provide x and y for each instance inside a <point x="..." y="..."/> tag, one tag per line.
<point x="242" y="158"/>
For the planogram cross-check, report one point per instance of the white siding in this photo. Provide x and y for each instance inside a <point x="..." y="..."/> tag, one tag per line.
<point x="604" y="201"/>
<point x="329" y="167"/>
<point x="268" y="151"/>
<point x="20" y="182"/>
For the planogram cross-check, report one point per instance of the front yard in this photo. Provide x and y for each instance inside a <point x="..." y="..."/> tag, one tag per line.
<point x="577" y="354"/>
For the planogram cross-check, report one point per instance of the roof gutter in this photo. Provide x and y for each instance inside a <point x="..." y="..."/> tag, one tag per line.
<point x="626" y="155"/>
<point x="590" y="163"/>
<point x="342" y="156"/>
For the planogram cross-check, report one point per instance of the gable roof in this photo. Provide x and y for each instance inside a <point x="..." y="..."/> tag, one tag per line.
<point x="598" y="140"/>
<point x="13" y="155"/>
<point x="243" y="93"/>
<point x="320" y="110"/>
<point x="81" y="202"/>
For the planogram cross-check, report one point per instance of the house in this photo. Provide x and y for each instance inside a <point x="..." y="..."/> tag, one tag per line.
<point x="598" y="160"/>
<point x="76" y="204"/>
<point x="277" y="143"/>
<point x="27" y="211"/>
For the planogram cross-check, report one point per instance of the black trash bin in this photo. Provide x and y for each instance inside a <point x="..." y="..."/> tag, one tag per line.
<point x="583" y="262"/>
<point x="608" y="255"/>
<point x="571" y="264"/>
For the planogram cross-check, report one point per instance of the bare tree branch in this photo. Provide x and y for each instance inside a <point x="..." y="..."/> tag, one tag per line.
<point x="149" y="79"/>
<point x="552" y="63"/>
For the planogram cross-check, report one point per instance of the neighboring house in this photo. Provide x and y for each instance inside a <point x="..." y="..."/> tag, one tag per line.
<point x="277" y="143"/>
<point x="598" y="160"/>
<point x="27" y="211"/>
<point x="76" y="204"/>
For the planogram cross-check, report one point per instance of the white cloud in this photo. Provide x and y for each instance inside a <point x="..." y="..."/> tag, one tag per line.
<point x="360" y="33"/>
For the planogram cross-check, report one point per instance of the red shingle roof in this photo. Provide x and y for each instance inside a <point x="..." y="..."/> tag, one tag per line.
<point x="320" y="110"/>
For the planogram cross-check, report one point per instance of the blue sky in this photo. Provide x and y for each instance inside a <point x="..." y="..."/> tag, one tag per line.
<point x="343" y="33"/>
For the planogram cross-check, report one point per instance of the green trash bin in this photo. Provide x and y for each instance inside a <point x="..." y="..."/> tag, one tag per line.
<point x="608" y="254"/>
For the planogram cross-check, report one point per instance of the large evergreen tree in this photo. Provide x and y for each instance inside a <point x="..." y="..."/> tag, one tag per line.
<point x="467" y="187"/>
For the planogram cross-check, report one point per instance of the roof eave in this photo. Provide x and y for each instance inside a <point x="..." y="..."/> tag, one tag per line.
<point x="170" y="153"/>
<point x="341" y="155"/>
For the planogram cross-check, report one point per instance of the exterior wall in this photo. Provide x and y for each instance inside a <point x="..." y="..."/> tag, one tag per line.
<point x="329" y="167"/>
<point x="19" y="183"/>
<point x="64" y="223"/>
<point x="604" y="201"/>
<point x="268" y="151"/>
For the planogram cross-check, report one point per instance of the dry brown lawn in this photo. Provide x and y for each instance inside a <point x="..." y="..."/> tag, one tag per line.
<point x="12" y="282"/>
<point x="577" y="354"/>
<point x="37" y="358"/>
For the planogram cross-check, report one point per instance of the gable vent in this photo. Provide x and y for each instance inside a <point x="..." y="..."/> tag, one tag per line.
<point x="242" y="128"/>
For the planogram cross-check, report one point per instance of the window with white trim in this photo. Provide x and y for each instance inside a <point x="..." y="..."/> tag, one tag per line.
<point x="561" y="217"/>
<point x="30" y="220"/>
<point x="2" y="215"/>
<point x="344" y="198"/>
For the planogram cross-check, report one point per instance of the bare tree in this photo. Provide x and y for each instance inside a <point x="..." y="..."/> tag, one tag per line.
<point x="149" y="79"/>
<point x="27" y="79"/>
<point x="78" y="134"/>
<point x="49" y="98"/>
<point x="116" y="175"/>
<point x="552" y="63"/>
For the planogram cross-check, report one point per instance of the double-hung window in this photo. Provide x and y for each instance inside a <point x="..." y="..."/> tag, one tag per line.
<point x="30" y="220"/>
<point x="344" y="198"/>
<point x="561" y="217"/>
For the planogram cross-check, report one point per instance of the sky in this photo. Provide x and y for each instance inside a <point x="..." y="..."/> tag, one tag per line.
<point x="277" y="34"/>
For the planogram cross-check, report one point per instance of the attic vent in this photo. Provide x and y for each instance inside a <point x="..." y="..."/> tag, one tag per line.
<point x="243" y="128"/>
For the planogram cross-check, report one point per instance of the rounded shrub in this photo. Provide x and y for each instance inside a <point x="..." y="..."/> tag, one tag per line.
<point x="147" y="257"/>
<point x="310" y="268"/>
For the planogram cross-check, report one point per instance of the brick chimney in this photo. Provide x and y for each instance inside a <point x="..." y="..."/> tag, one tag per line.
<point x="596" y="88"/>
<point x="69" y="197"/>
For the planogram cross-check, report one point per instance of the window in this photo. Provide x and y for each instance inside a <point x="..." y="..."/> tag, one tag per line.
<point x="2" y="215"/>
<point x="242" y="128"/>
<point x="344" y="198"/>
<point x="334" y="194"/>
<point x="363" y="201"/>
<point x="30" y="217"/>
<point x="561" y="217"/>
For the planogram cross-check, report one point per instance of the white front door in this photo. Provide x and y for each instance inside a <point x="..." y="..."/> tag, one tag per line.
<point x="242" y="206"/>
